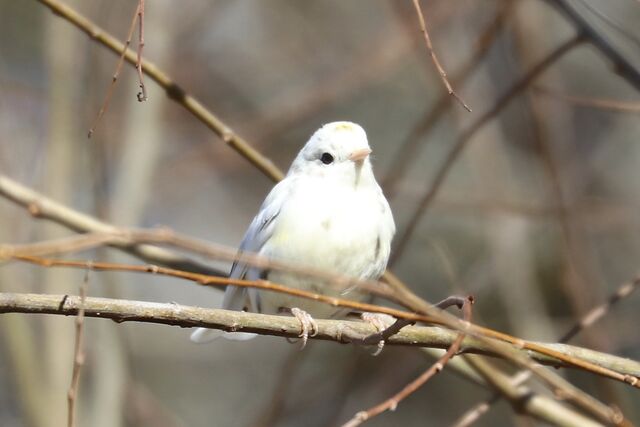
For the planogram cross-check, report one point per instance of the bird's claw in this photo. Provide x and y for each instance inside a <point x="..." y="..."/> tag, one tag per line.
<point x="308" y="326"/>
<point x="381" y="322"/>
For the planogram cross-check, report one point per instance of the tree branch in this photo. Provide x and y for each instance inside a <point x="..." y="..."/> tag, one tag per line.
<point x="174" y="91"/>
<point x="40" y="206"/>
<point x="283" y="326"/>
<point x="623" y="67"/>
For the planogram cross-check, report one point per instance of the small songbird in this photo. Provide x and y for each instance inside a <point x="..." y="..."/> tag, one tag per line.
<point x="327" y="214"/>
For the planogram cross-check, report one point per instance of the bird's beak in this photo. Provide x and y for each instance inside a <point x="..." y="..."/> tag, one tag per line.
<point x="360" y="155"/>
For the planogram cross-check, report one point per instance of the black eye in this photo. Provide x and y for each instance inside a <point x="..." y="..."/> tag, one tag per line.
<point x="326" y="158"/>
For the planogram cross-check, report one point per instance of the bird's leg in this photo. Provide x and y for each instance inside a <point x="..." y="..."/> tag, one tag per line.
<point x="308" y="326"/>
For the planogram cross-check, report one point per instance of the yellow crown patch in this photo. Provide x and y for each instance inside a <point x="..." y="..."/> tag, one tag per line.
<point x="344" y="126"/>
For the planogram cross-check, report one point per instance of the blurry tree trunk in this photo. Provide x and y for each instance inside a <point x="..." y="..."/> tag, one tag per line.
<point x="133" y="188"/>
<point x="60" y="172"/>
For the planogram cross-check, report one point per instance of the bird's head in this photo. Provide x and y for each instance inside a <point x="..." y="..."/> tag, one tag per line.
<point x="337" y="150"/>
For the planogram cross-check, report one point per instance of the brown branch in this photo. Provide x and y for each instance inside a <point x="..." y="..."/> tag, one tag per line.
<point x="623" y="67"/>
<point x="392" y="403"/>
<point x="283" y="326"/>
<point x="173" y="90"/>
<point x="600" y="311"/>
<point x="75" y="220"/>
<point x="589" y="319"/>
<point x="107" y="99"/>
<point x="434" y="58"/>
<point x="409" y="147"/>
<point x="524" y="399"/>
<point x="498" y="342"/>
<point x="466" y="136"/>
<point x="78" y="355"/>
<point x="40" y="206"/>
<point x="599" y="103"/>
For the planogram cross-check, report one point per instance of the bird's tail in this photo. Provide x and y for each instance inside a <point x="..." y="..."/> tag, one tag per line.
<point x="204" y="335"/>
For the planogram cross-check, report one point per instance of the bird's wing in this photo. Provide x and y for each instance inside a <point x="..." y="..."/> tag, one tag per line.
<point x="257" y="235"/>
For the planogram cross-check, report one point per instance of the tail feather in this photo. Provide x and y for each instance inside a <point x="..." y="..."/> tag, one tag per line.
<point x="204" y="335"/>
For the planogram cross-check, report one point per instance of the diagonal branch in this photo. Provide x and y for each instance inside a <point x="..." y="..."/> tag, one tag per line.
<point x="434" y="57"/>
<point x="621" y="65"/>
<point x="466" y="136"/>
<point x="392" y="403"/>
<point x="40" y="206"/>
<point x="174" y="91"/>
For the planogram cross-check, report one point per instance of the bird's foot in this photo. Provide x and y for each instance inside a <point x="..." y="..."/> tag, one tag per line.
<point x="308" y="326"/>
<point x="382" y="322"/>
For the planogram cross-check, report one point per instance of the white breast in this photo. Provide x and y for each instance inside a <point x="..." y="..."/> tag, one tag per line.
<point x="335" y="228"/>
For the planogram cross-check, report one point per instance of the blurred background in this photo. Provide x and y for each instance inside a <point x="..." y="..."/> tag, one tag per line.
<point x="539" y="217"/>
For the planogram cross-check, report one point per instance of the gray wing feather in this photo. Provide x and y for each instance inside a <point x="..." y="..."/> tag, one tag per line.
<point x="257" y="235"/>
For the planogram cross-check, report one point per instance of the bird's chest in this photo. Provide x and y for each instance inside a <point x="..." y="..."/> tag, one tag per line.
<point x="336" y="230"/>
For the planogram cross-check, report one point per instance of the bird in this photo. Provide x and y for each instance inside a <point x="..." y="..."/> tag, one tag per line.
<point x="328" y="214"/>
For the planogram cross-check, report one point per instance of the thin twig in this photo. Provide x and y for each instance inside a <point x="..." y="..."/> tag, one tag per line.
<point x="142" y="95"/>
<point x="78" y="355"/>
<point x="408" y="149"/>
<point x="173" y="90"/>
<point x="107" y="99"/>
<point x="392" y="403"/>
<point x="434" y="58"/>
<point x="600" y="311"/>
<point x="466" y="136"/>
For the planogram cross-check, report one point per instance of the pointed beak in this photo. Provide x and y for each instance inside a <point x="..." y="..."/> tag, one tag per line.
<point x="359" y="155"/>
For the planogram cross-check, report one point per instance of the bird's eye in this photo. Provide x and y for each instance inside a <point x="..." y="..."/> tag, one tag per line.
<point x="326" y="158"/>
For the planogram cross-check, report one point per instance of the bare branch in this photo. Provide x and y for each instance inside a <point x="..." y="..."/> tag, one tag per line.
<point x="174" y="91"/>
<point x="621" y="66"/>
<point x="466" y="136"/>
<point x="264" y="324"/>
<point x="600" y="311"/>
<point x="409" y="147"/>
<point x="524" y="399"/>
<point x="434" y="58"/>
<point x="78" y="355"/>
<point x="107" y="99"/>
<point x="589" y="102"/>
<point x="392" y="403"/>
<point x="499" y="343"/>
<point x="40" y="206"/>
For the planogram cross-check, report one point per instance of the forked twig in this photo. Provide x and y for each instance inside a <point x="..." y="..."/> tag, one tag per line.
<point x="173" y="90"/>
<point x="391" y="403"/>
<point x="595" y="314"/>
<point x="459" y="146"/>
<point x="107" y="99"/>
